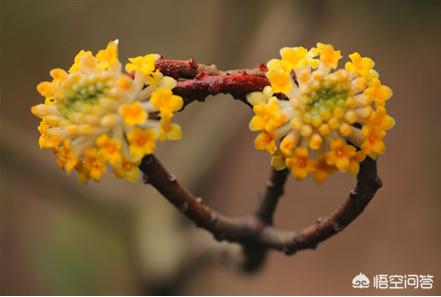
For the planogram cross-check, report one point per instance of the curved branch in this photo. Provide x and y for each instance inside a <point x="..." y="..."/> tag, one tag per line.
<point x="248" y="231"/>
<point x="255" y="233"/>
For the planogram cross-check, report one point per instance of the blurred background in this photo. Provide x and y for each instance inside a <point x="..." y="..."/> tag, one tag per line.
<point x="59" y="237"/>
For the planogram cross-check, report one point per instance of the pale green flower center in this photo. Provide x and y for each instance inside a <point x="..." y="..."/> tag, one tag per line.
<point x="327" y="99"/>
<point x="81" y="97"/>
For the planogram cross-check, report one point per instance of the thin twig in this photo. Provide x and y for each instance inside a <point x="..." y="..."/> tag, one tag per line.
<point x="274" y="190"/>
<point x="255" y="254"/>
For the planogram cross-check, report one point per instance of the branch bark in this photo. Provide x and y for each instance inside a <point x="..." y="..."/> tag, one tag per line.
<point x="255" y="254"/>
<point x="198" y="81"/>
<point x="274" y="190"/>
<point x="188" y="69"/>
<point x="254" y="231"/>
<point x="237" y="85"/>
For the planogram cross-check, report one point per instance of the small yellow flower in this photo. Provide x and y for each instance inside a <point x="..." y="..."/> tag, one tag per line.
<point x="93" y="164"/>
<point x="144" y="64"/>
<point x="170" y="131"/>
<point x="340" y="154"/>
<point x="255" y="98"/>
<point x="360" y="65"/>
<point x="328" y="55"/>
<point x="322" y="169"/>
<point x="280" y="81"/>
<point x="58" y="75"/>
<point x="167" y="103"/>
<point x="65" y="157"/>
<point x="133" y="114"/>
<point x="45" y="141"/>
<point x="373" y="145"/>
<point x="76" y="65"/>
<point x="294" y="55"/>
<point x="127" y="170"/>
<point x="83" y="175"/>
<point x="378" y="93"/>
<point x="109" y="149"/>
<point x="265" y="141"/>
<point x="46" y="89"/>
<point x="380" y="119"/>
<point x="300" y="164"/>
<point x="268" y="116"/>
<point x="154" y="79"/>
<point x="142" y="142"/>
<point x="354" y="162"/>
<point x="288" y="144"/>
<point x="109" y="56"/>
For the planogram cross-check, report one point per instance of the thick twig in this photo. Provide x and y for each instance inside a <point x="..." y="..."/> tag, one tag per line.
<point x="246" y="231"/>
<point x="198" y="81"/>
<point x="188" y="69"/>
<point x="237" y="85"/>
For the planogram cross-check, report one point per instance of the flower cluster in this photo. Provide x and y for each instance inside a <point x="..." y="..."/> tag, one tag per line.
<point x="95" y="116"/>
<point x="317" y="119"/>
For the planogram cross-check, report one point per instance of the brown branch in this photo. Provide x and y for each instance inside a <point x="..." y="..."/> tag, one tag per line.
<point x="255" y="233"/>
<point x="180" y="69"/>
<point x="198" y="81"/>
<point x="237" y="85"/>
<point x="274" y="190"/>
<point x="188" y="69"/>
<point x="255" y="254"/>
<point x="248" y="231"/>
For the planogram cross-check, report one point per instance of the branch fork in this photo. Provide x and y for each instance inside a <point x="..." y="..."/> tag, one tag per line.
<point x="255" y="232"/>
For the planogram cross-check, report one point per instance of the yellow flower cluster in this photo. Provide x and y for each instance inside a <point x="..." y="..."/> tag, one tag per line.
<point x="95" y="116"/>
<point x="317" y="119"/>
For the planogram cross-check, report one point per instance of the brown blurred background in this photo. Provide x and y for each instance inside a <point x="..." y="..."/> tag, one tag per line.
<point x="59" y="237"/>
